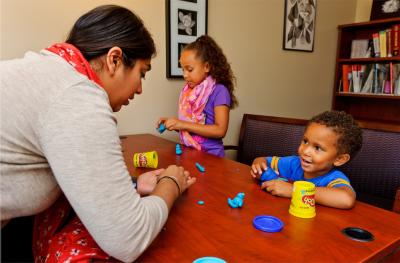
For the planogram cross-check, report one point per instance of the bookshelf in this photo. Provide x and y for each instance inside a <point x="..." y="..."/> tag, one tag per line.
<point x="373" y="109"/>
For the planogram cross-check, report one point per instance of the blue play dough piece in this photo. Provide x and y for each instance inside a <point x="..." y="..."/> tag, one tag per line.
<point x="161" y="128"/>
<point x="201" y="202"/>
<point x="209" y="260"/>
<point x="270" y="174"/>
<point x="237" y="201"/>
<point x="178" y="149"/>
<point x="201" y="168"/>
<point x="268" y="223"/>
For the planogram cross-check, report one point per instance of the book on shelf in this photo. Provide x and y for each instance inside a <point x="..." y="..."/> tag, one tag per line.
<point x="382" y="78"/>
<point x="356" y="76"/>
<point x="345" y="77"/>
<point x="382" y="43"/>
<point x="396" y="40"/>
<point x="385" y="43"/>
<point x="368" y="79"/>
<point x="391" y="81"/>
<point x="396" y="79"/>
<point x="375" y="81"/>
<point x="378" y="78"/>
<point x="389" y="42"/>
<point x="377" y="50"/>
<point x="359" y="48"/>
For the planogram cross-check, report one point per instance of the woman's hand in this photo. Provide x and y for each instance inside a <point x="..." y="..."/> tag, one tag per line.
<point x="278" y="187"/>
<point x="146" y="182"/>
<point x="259" y="165"/>
<point x="182" y="176"/>
<point x="176" y="182"/>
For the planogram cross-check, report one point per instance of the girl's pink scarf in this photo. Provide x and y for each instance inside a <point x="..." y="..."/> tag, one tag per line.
<point x="191" y="105"/>
<point x="75" y="58"/>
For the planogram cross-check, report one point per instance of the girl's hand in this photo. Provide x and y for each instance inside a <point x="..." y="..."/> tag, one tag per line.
<point x="174" y="124"/>
<point x="160" y="120"/>
<point x="278" y="188"/>
<point x="259" y="165"/>
<point x="146" y="182"/>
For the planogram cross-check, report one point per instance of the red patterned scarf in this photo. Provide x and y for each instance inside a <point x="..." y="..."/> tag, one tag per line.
<point x="75" y="58"/>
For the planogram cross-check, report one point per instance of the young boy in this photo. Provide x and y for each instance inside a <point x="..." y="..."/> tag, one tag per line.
<point x="330" y="140"/>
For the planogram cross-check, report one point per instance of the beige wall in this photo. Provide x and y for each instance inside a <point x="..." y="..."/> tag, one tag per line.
<point x="270" y="81"/>
<point x="363" y="10"/>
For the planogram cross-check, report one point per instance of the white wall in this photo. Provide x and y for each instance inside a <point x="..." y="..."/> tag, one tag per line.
<point x="271" y="81"/>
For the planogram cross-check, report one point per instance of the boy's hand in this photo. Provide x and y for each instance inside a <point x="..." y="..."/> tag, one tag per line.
<point x="278" y="187"/>
<point x="146" y="182"/>
<point x="258" y="166"/>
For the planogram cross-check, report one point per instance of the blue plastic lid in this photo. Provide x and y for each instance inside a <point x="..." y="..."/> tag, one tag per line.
<point x="209" y="260"/>
<point x="268" y="223"/>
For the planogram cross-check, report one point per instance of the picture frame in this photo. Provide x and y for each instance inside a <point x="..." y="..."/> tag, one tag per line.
<point x="382" y="9"/>
<point x="299" y="25"/>
<point x="186" y="20"/>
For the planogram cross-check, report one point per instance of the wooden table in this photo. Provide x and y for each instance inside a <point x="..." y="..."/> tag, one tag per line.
<point x="215" y="229"/>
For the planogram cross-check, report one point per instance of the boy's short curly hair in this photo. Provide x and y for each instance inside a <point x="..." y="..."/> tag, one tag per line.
<point x="343" y="124"/>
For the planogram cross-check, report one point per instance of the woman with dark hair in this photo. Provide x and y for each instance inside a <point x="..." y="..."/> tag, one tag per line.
<point x="59" y="138"/>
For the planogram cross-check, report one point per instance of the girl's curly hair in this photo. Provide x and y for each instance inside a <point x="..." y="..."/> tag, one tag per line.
<point x="209" y="52"/>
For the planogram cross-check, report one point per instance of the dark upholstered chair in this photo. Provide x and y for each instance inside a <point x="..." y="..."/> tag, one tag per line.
<point x="396" y="205"/>
<point x="374" y="172"/>
<point x="266" y="136"/>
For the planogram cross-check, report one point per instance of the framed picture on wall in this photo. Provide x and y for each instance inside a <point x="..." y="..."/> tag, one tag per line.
<point x="299" y="25"/>
<point x="382" y="9"/>
<point x="186" y="20"/>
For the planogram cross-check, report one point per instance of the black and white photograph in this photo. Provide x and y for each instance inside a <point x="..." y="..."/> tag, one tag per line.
<point x="299" y="25"/>
<point x="186" y="20"/>
<point x="382" y="9"/>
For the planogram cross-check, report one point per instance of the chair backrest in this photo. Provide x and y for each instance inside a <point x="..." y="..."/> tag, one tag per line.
<point x="374" y="172"/>
<point x="267" y="135"/>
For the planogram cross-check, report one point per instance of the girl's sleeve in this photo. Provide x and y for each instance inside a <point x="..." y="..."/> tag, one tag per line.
<point x="222" y="96"/>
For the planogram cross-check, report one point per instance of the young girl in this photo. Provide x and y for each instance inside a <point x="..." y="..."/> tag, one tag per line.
<point x="206" y="99"/>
